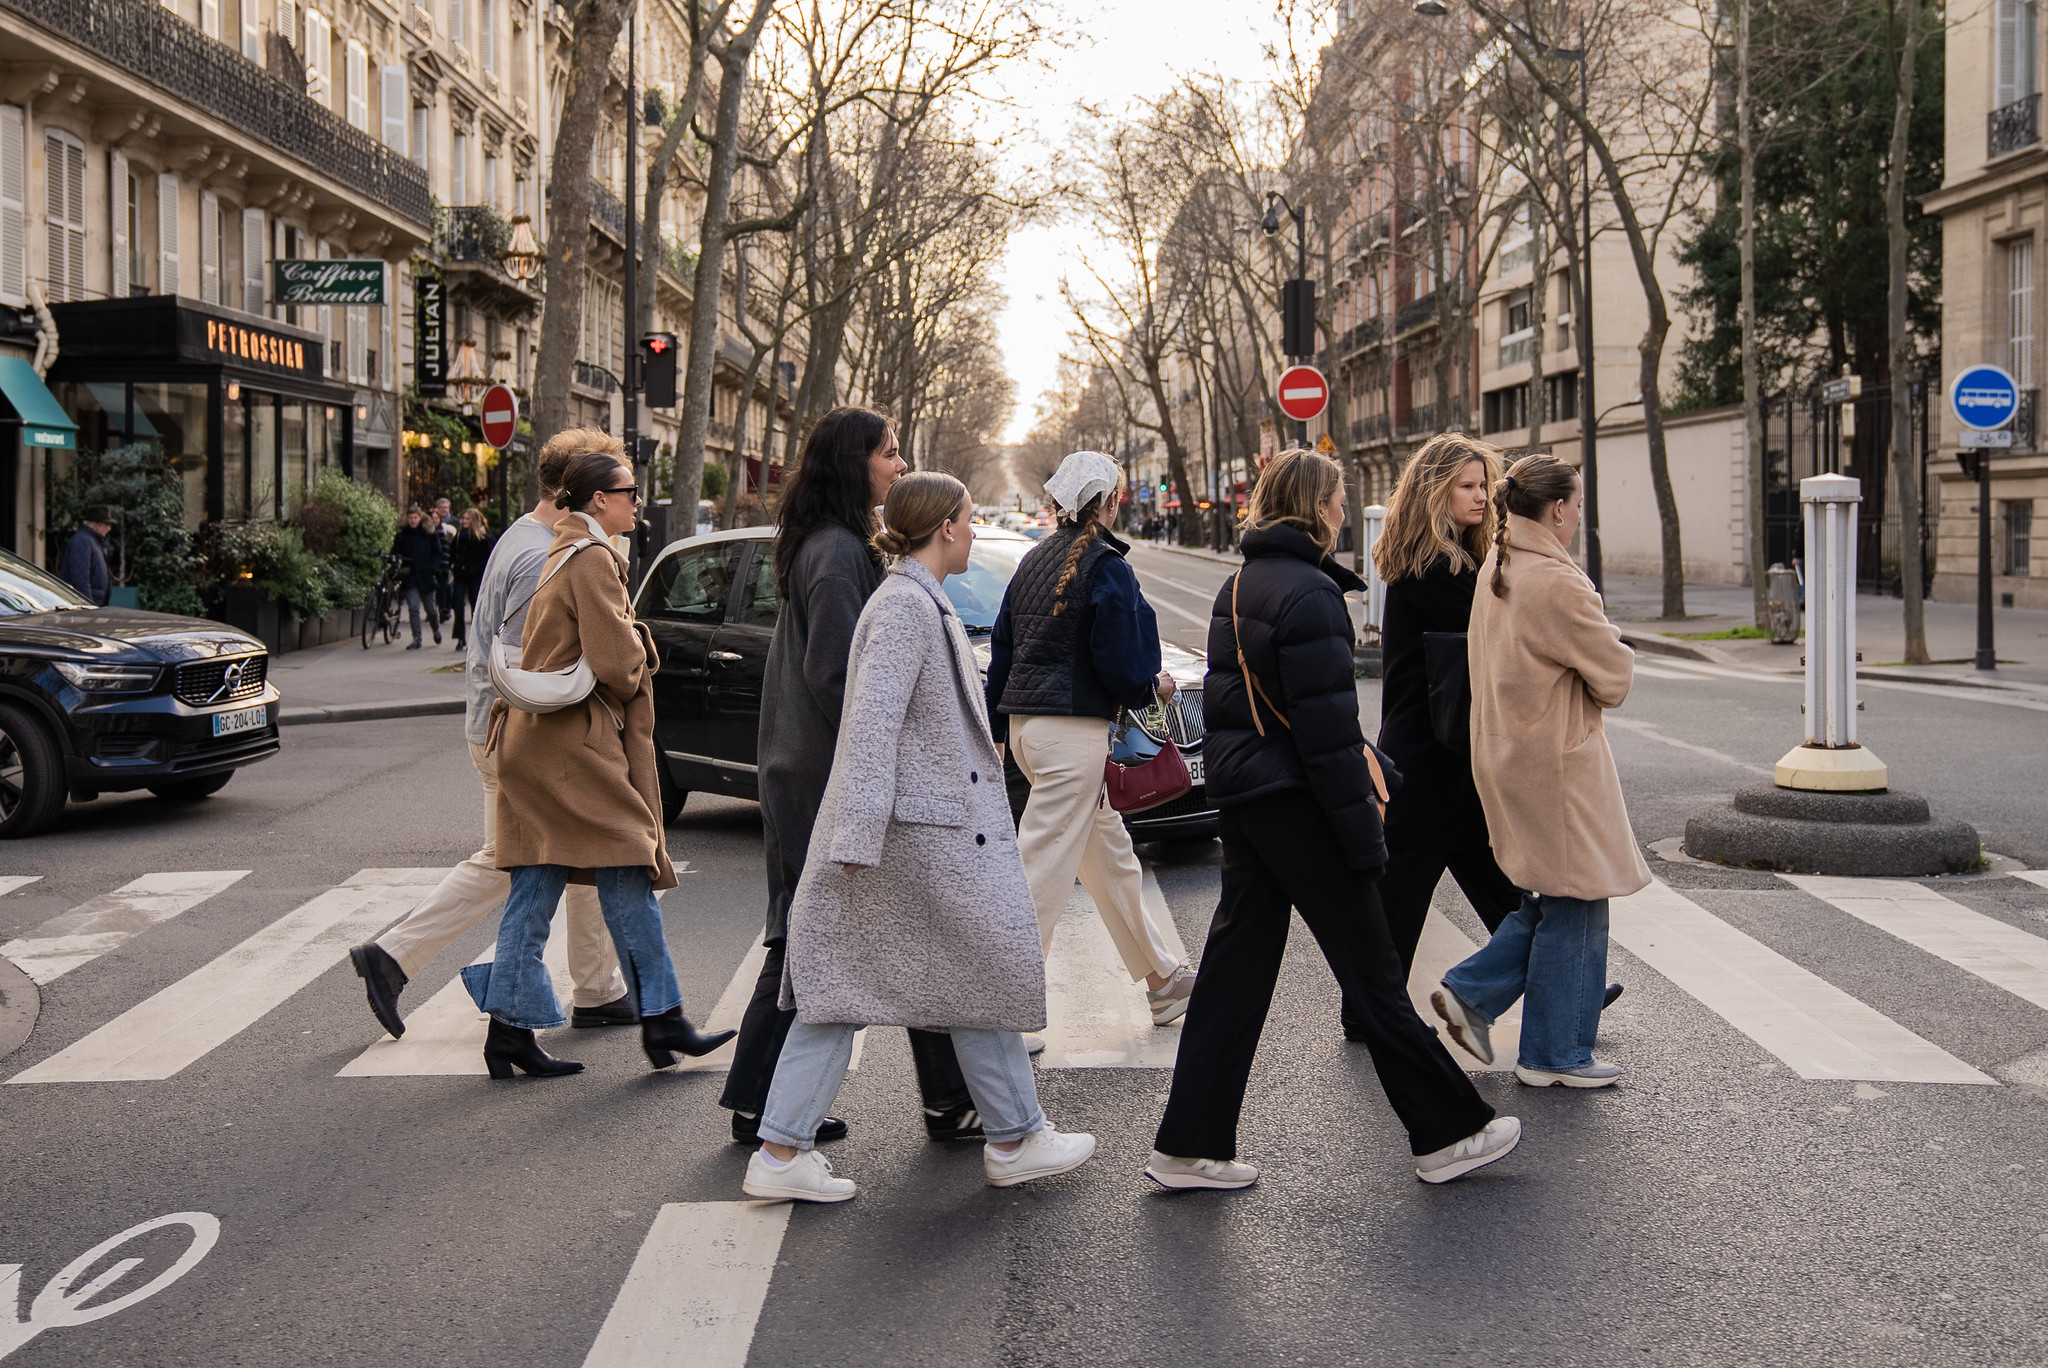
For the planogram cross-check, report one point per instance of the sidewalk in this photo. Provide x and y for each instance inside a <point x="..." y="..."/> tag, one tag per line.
<point x="345" y="683"/>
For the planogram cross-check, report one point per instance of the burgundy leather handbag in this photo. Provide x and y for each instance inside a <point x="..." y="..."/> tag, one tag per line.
<point x="1143" y="770"/>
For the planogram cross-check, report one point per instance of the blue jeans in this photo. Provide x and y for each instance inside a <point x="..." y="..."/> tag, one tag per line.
<point x="813" y="1065"/>
<point x="516" y="989"/>
<point x="1554" y="950"/>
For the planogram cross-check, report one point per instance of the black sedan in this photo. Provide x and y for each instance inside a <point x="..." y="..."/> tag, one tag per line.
<point x="711" y="604"/>
<point x="106" y="700"/>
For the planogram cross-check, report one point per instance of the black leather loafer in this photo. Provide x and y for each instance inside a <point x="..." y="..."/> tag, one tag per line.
<point x="1613" y="992"/>
<point x="746" y="1130"/>
<point x="383" y="980"/>
<point x="619" y="1011"/>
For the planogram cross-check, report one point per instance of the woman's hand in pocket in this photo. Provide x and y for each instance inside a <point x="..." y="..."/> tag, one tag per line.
<point x="854" y="868"/>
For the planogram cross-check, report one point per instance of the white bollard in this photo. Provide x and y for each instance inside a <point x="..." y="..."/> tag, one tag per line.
<point x="1375" y="588"/>
<point x="1831" y="757"/>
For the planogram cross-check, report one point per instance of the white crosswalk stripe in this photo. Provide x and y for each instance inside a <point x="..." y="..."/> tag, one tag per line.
<point x="2034" y="876"/>
<point x="10" y="882"/>
<point x="168" y="1032"/>
<point x="1096" y="1017"/>
<point x="91" y="929"/>
<point x="694" y="1294"/>
<point x="1994" y="951"/>
<point x="1442" y="946"/>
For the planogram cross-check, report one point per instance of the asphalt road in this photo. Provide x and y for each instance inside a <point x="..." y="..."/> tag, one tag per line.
<point x="1716" y="1208"/>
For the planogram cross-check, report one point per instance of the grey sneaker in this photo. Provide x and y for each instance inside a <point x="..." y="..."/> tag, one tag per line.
<point x="1476" y="1150"/>
<point x="1179" y="1174"/>
<point x="1598" y="1074"/>
<point x="1170" y="1003"/>
<point x="1034" y="1043"/>
<point x="1473" y="1032"/>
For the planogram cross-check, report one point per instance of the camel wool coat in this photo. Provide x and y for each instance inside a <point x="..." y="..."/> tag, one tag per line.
<point x="939" y="931"/>
<point x="1545" y="663"/>
<point x="574" y="787"/>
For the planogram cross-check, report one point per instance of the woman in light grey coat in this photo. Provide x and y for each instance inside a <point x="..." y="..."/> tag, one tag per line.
<point x="913" y="909"/>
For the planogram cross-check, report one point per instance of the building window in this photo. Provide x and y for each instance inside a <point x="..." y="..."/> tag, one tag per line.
<point x="356" y="74"/>
<point x="490" y="195"/>
<point x="1504" y="410"/>
<point x="136" y="269"/>
<point x="2015" y="37"/>
<point x="2019" y="536"/>
<point x="487" y="34"/>
<point x="64" y="214"/>
<point x="319" y="56"/>
<point x="458" y="169"/>
<point x="2019" y="309"/>
<point x="1561" y="397"/>
<point x="1517" y="314"/>
<point x="422" y="133"/>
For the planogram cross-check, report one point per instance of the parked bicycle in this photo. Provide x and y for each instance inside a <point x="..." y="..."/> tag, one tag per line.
<point x="387" y="600"/>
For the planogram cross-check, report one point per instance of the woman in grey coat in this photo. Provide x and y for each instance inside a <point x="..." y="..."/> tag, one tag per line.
<point x="913" y="909"/>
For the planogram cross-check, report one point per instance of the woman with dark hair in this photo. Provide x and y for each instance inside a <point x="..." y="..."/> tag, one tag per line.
<point x="825" y="571"/>
<point x="472" y="552"/>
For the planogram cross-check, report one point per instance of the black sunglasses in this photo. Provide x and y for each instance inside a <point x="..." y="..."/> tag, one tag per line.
<point x="634" y="490"/>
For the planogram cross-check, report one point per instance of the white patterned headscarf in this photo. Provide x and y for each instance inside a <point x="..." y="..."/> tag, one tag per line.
<point x="1082" y="478"/>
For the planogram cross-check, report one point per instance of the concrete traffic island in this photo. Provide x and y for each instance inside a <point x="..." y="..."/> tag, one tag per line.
<point x="1832" y="810"/>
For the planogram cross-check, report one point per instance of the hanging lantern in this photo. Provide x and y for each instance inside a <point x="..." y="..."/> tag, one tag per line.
<point x="522" y="256"/>
<point x="467" y="378"/>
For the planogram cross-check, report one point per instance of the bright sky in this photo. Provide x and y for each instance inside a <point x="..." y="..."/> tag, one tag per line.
<point x="1125" y="51"/>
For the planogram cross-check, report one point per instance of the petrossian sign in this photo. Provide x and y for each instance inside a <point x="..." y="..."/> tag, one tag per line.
<point x="327" y="282"/>
<point x="231" y="340"/>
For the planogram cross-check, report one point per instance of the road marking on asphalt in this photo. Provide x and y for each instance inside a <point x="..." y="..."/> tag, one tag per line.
<point x="1654" y="733"/>
<point x="731" y="1007"/>
<point x="2034" y="876"/>
<point x="694" y="1294"/>
<point x="165" y="1033"/>
<point x="10" y="882"/>
<point x="1096" y="1018"/>
<point x="1818" y="1030"/>
<point x="91" y="929"/>
<point x="2001" y="955"/>
<point x="1442" y="947"/>
<point x="1199" y="619"/>
<point x="1670" y="668"/>
<point x="1153" y="577"/>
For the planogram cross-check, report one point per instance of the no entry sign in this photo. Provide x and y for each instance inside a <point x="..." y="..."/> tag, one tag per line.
<point x="1304" y="394"/>
<point x="501" y="415"/>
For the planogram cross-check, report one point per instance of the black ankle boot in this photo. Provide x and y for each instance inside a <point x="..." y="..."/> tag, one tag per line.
<point x="506" y="1046"/>
<point x="662" y="1036"/>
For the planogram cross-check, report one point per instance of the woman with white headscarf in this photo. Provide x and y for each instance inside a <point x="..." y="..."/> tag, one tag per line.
<point x="1074" y="642"/>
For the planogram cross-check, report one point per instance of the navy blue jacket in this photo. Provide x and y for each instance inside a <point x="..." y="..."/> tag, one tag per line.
<point x="1297" y="640"/>
<point x="84" y="565"/>
<point x="424" y="555"/>
<point x="1119" y="668"/>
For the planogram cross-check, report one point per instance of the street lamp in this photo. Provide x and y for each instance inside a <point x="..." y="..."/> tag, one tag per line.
<point x="522" y="255"/>
<point x="1297" y="296"/>
<point x="467" y="378"/>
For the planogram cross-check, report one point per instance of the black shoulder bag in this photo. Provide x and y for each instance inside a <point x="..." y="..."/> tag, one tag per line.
<point x="1450" y="689"/>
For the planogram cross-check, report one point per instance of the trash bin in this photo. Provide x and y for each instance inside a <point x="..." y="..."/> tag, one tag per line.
<point x="1783" y="604"/>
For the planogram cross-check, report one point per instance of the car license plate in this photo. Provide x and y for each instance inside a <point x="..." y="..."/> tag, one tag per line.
<point x="241" y="720"/>
<point x="1194" y="768"/>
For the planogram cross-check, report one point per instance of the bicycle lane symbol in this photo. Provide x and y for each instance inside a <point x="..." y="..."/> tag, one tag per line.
<point x="60" y="1306"/>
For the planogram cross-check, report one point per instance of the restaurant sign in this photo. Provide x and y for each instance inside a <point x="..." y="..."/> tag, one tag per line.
<point x="257" y="346"/>
<point x="430" y="335"/>
<point x="327" y="282"/>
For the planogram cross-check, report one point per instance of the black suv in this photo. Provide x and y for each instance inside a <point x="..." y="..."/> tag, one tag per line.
<point x="711" y="604"/>
<point x="108" y="700"/>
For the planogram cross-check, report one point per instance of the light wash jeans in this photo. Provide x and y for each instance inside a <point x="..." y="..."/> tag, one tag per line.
<point x="813" y="1065"/>
<point x="516" y="987"/>
<point x="1554" y="950"/>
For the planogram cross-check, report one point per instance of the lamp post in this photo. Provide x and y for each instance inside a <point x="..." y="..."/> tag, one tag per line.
<point x="1297" y="296"/>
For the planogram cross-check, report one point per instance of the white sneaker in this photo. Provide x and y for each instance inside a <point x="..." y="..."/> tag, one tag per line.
<point x="806" y="1178"/>
<point x="1034" y="1043"/>
<point x="1472" y="1032"/>
<point x="1476" y="1150"/>
<point x="1041" y="1154"/>
<point x="1598" y="1074"/>
<point x="1169" y="1172"/>
<point x="1169" y="1003"/>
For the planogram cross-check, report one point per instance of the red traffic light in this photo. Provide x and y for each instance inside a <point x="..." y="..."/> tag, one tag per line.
<point x="657" y="344"/>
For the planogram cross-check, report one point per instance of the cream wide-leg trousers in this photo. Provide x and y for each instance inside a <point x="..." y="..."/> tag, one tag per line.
<point x="1068" y="830"/>
<point x="477" y="887"/>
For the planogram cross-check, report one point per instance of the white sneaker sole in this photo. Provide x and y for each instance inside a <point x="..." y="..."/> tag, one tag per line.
<point x="1543" y="1078"/>
<point x="1465" y="1166"/>
<point x="770" y="1192"/>
<point x="1012" y="1179"/>
<point x="1184" y="1182"/>
<point x="1169" y="1013"/>
<point x="1454" y="1022"/>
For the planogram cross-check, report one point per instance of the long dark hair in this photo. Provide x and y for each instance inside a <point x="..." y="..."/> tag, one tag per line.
<point x="831" y="486"/>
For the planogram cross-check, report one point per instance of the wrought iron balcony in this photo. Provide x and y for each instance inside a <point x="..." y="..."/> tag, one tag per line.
<point x="154" y="45"/>
<point x="473" y="232"/>
<point x="1415" y="313"/>
<point x="2015" y="125"/>
<point x="1363" y="335"/>
<point x="592" y="376"/>
<point x="608" y="209"/>
<point x="1371" y="428"/>
<point x="2026" y="424"/>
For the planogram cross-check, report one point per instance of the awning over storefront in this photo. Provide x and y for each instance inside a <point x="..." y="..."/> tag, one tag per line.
<point x="43" y="420"/>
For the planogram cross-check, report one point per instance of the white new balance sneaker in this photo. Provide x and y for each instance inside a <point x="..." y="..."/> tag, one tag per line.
<point x="1475" y="1151"/>
<point x="1169" y="1002"/>
<point x="1041" y="1154"/>
<point x="1170" y="1172"/>
<point x="1472" y="1031"/>
<point x="806" y="1178"/>
<point x="1598" y="1074"/>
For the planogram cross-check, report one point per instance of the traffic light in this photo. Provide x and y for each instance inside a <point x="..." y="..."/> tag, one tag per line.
<point x="1298" y="317"/>
<point x="658" y="369"/>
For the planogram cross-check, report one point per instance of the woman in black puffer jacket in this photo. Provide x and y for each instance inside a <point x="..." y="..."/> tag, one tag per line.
<point x="1300" y="824"/>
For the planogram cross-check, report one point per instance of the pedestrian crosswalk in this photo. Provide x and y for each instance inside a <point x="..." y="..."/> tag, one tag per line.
<point x="1097" y="1017"/>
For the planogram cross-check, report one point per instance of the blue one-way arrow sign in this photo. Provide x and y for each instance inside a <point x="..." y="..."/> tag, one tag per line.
<point x="1984" y="398"/>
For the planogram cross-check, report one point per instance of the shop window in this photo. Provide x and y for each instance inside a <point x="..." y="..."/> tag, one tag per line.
<point x="264" y="457"/>
<point x="292" y="458"/>
<point x="175" y="415"/>
<point x="2019" y="536"/>
<point x="234" y="464"/>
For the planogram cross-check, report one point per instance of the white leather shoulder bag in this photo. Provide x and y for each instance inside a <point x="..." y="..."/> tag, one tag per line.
<point x="542" y="691"/>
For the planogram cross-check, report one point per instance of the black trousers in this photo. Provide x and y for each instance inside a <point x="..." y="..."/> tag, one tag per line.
<point x="1411" y="880"/>
<point x="1279" y="853"/>
<point x="765" y="1026"/>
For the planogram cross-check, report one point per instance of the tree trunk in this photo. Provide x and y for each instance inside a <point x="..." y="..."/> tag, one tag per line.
<point x="1752" y="370"/>
<point x="597" y="25"/>
<point x="1905" y="464"/>
<point x="1176" y="454"/>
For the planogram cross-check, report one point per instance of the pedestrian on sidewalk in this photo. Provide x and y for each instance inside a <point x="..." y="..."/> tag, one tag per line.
<point x="1075" y="642"/>
<point x="84" y="566"/>
<point x="1300" y="797"/>
<point x="444" y="584"/>
<point x="578" y="796"/>
<point x="1545" y="664"/>
<point x="477" y="887"/>
<point x="913" y="909"/>
<point x="472" y="554"/>
<point x="825" y="571"/>
<point x="421" y="549"/>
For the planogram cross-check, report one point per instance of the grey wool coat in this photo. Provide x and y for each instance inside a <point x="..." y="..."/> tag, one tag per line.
<point x="803" y="687"/>
<point x="940" y="930"/>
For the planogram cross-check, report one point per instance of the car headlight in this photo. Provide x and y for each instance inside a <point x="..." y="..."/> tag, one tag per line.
<point x="108" y="678"/>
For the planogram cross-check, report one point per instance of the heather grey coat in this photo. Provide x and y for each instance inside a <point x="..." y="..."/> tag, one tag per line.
<point x="940" y="931"/>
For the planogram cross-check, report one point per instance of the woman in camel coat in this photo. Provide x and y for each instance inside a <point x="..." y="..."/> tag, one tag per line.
<point x="1545" y="664"/>
<point x="578" y="797"/>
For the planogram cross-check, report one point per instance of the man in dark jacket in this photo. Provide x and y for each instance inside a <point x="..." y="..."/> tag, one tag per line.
<point x="422" y="551"/>
<point x="84" y="566"/>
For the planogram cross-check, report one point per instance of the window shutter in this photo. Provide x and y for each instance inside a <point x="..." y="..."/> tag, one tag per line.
<point x="252" y="32"/>
<point x="287" y="23"/>
<point x="394" y="106"/>
<point x="13" y="206"/>
<point x="64" y="215"/>
<point x="358" y="77"/>
<point x="209" y="18"/>
<point x="253" y="291"/>
<point x="487" y="34"/>
<point x="209" y="246"/>
<point x="168" y="281"/>
<point x="319" y="55"/>
<point x="117" y="200"/>
<point x="2008" y="40"/>
<point x="357" y="324"/>
<point x="457" y="31"/>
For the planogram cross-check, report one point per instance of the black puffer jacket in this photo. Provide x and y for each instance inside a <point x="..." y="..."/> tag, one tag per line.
<point x="1297" y="640"/>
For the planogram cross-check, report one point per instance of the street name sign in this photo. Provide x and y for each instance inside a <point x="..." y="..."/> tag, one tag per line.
<point x="327" y="282"/>
<point x="1304" y="394"/>
<point x="500" y="416"/>
<point x="1983" y="399"/>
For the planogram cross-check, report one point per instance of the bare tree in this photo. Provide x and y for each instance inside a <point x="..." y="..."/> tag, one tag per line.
<point x="1906" y="33"/>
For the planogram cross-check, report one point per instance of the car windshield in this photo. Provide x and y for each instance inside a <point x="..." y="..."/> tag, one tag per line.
<point x="26" y="589"/>
<point x="978" y="593"/>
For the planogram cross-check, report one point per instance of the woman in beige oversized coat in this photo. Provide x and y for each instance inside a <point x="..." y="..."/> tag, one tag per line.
<point x="1545" y="663"/>
<point x="578" y="799"/>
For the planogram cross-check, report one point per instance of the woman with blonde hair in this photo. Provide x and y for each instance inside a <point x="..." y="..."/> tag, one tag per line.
<point x="1300" y="795"/>
<point x="912" y="909"/>
<point x="1545" y="665"/>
